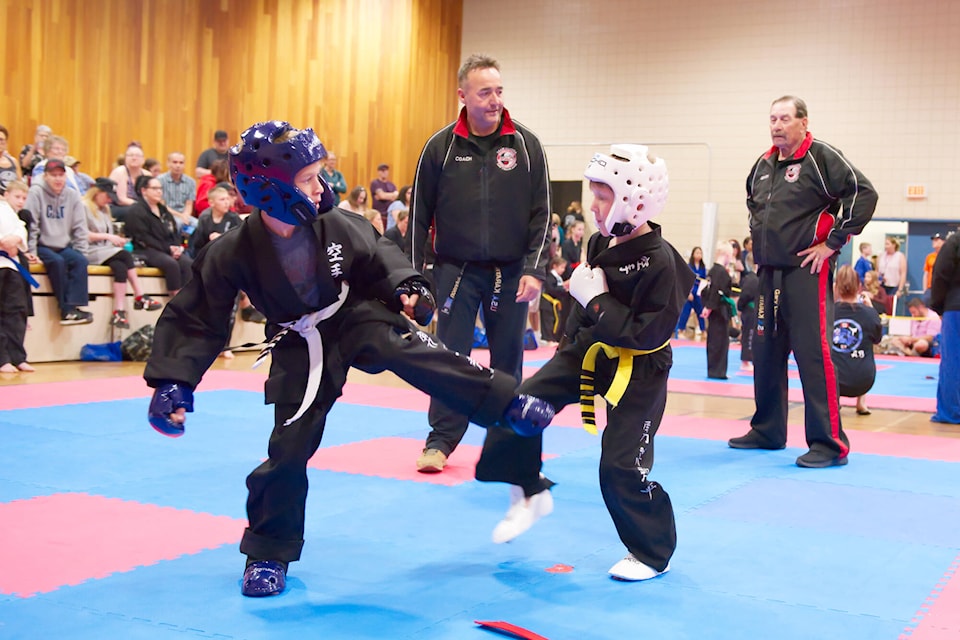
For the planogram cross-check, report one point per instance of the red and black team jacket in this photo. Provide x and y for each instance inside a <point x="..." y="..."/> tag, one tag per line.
<point x="814" y="196"/>
<point x="488" y="206"/>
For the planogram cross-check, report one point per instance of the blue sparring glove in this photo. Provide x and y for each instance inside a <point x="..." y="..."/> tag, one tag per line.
<point x="528" y="415"/>
<point x="426" y="304"/>
<point x="167" y="398"/>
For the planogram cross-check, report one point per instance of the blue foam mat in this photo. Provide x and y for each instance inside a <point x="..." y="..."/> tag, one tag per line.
<point x="764" y="547"/>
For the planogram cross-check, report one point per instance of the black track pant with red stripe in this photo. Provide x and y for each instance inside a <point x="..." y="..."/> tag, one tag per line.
<point x="795" y="313"/>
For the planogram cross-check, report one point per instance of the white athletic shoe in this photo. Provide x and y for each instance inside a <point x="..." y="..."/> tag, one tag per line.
<point x="632" y="570"/>
<point x="521" y="515"/>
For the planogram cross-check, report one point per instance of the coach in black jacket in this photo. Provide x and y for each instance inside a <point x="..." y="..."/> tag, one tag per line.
<point x="805" y="200"/>
<point x="481" y="195"/>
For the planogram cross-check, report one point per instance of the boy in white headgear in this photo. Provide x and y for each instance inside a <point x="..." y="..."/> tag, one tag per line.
<point x="616" y="343"/>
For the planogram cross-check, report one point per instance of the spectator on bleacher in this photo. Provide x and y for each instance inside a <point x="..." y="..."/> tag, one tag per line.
<point x="32" y="154"/>
<point x="83" y="180"/>
<point x="179" y="190"/>
<point x="402" y="202"/>
<point x="9" y="169"/>
<point x="335" y="179"/>
<point x="382" y="193"/>
<point x="156" y="234"/>
<point x="856" y="328"/>
<point x="14" y="296"/>
<point x="219" y="172"/>
<point x="59" y="238"/>
<point x="398" y="232"/>
<point x="215" y="221"/>
<point x="107" y="248"/>
<point x="55" y="148"/>
<point x="221" y="143"/>
<point x="356" y="201"/>
<point x="152" y="166"/>
<point x="125" y="176"/>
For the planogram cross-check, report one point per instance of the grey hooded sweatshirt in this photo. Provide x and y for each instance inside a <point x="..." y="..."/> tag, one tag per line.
<point x="59" y="220"/>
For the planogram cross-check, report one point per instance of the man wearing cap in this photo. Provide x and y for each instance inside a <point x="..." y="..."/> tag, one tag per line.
<point x="221" y="143"/>
<point x="936" y="240"/>
<point x="59" y="237"/>
<point x="83" y="180"/>
<point x="384" y="192"/>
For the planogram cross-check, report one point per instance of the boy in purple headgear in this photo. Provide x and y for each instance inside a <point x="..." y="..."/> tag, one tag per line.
<point x="332" y="291"/>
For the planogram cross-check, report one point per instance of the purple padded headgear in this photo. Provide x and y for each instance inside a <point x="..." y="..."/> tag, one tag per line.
<point x="264" y="171"/>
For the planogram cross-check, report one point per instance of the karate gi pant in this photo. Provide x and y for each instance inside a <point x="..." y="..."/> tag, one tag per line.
<point x="373" y="340"/>
<point x="718" y="342"/>
<point x="468" y="289"/>
<point x="640" y="508"/>
<point x="795" y="313"/>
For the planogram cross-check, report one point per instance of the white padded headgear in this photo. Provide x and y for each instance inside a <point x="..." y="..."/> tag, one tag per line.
<point x="639" y="186"/>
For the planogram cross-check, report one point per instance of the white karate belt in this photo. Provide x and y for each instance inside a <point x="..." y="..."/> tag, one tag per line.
<point x="306" y="326"/>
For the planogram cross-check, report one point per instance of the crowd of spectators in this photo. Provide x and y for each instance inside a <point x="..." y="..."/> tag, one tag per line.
<point x="134" y="214"/>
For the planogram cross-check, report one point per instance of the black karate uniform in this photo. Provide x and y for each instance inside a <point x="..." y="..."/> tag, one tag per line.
<point x="648" y="283"/>
<point x="363" y="333"/>
<point x="747" y="306"/>
<point x="718" y="324"/>
<point x="856" y="328"/>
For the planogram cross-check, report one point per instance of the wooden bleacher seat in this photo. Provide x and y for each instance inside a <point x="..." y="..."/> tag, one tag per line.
<point x="49" y="341"/>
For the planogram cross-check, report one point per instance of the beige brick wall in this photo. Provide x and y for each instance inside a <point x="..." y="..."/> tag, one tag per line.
<point x="695" y="80"/>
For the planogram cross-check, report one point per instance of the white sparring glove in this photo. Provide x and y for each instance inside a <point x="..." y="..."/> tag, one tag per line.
<point x="586" y="283"/>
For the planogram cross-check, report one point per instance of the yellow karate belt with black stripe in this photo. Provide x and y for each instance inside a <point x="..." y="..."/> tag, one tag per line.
<point x="617" y="388"/>
<point x="556" y="311"/>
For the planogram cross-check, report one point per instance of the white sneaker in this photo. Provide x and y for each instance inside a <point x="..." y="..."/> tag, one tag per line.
<point x="521" y="515"/>
<point x="632" y="570"/>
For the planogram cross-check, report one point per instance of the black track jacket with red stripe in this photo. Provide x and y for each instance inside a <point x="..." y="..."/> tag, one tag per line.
<point x="489" y="207"/>
<point x="814" y="196"/>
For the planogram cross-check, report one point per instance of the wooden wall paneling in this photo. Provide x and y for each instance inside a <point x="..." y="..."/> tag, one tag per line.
<point x="374" y="77"/>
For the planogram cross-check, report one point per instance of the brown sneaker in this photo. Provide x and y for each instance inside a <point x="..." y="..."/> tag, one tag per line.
<point x="431" y="461"/>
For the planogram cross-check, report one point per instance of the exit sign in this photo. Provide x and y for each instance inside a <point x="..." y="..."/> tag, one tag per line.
<point x="916" y="191"/>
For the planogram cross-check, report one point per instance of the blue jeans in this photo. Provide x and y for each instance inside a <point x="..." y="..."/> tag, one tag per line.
<point x="67" y="270"/>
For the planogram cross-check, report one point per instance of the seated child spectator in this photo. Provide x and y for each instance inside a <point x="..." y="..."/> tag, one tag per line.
<point x="215" y="221"/>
